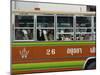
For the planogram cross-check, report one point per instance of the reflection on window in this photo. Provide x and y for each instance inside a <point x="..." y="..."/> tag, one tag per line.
<point x="65" y="21"/>
<point x="24" y="21"/>
<point x="83" y="30"/>
<point x="23" y="27"/>
<point x="23" y="34"/>
<point x="83" y="22"/>
<point x="45" y="21"/>
<point x="64" y="28"/>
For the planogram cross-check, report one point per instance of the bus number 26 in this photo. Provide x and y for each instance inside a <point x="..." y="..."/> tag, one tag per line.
<point x="50" y="51"/>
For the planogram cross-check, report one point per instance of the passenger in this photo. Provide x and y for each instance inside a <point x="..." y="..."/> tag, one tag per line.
<point x="50" y="34"/>
<point x="67" y="38"/>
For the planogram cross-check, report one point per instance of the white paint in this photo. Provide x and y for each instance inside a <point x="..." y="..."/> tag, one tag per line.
<point x="93" y="50"/>
<point x="24" y="53"/>
<point x="50" y="7"/>
<point x="73" y="51"/>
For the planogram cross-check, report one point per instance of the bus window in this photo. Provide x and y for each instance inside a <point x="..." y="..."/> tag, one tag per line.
<point x="23" y="34"/>
<point x="24" y="21"/>
<point x="45" y="28"/>
<point x="83" y="28"/>
<point x="63" y="21"/>
<point x="83" y="37"/>
<point x="65" y="37"/>
<point x="23" y="27"/>
<point x="64" y="28"/>
<point x="83" y="21"/>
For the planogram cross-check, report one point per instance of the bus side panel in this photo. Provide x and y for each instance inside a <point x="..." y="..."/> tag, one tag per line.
<point x="33" y="54"/>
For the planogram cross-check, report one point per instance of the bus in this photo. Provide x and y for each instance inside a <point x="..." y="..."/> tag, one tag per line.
<point x="50" y="41"/>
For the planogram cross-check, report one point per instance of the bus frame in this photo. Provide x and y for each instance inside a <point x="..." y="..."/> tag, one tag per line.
<point x="89" y="61"/>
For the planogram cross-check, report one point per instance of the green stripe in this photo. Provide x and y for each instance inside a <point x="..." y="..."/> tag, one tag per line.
<point x="47" y="65"/>
<point x="50" y="43"/>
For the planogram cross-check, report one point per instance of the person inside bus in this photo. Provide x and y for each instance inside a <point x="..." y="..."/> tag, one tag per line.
<point x="67" y="38"/>
<point x="25" y="34"/>
<point x="50" y="34"/>
<point x="45" y="35"/>
<point x="19" y="34"/>
<point x="40" y="36"/>
<point x="88" y="37"/>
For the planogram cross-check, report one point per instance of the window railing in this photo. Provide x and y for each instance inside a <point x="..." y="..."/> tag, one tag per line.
<point x="51" y="28"/>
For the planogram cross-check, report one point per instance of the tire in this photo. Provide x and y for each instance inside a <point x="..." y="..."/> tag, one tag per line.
<point x="91" y="66"/>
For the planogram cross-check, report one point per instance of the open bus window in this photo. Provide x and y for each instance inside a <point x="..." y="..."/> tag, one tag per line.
<point x="45" y="28"/>
<point x="83" y="21"/>
<point x="83" y="37"/>
<point x="64" y="28"/>
<point x="65" y="37"/>
<point x="83" y="28"/>
<point x="45" y="34"/>
<point x="65" y="34"/>
<point x="23" y="34"/>
<point x="24" y="21"/>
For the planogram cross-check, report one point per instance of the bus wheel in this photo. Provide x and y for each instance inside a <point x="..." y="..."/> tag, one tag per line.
<point x="92" y="65"/>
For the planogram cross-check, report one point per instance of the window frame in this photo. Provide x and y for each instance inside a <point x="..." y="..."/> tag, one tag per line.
<point x="24" y="27"/>
<point x="55" y="26"/>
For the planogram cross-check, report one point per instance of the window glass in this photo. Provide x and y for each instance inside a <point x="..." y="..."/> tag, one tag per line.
<point x="83" y="28"/>
<point x="63" y="21"/>
<point x="47" y="30"/>
<point x="65" y="28"/>
<point x="24" y="27"/>
<point x="45" y="21"/>
<point x="83" y="21"/>
<point x="24" y="21"/>
<point x="64" y="31"/>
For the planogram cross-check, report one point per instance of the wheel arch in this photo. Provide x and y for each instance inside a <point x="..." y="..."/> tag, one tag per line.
<point x="88" y="61"/>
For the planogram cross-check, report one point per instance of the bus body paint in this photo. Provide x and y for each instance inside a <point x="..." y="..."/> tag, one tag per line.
<point x="50" y="53"/>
